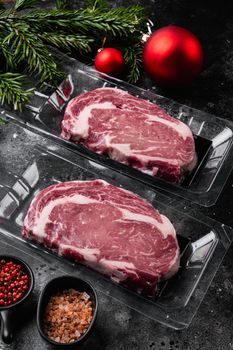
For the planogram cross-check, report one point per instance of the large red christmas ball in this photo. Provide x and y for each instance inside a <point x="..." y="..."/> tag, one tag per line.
<point x="109" y="61"/>
<point x="172" y="56"/>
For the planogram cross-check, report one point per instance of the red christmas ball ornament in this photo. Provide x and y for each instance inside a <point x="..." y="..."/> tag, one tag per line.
<point x="172" y="56"/>
<point x="109" y="61"/>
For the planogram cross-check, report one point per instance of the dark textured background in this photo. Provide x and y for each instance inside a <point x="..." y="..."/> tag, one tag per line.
<point x="212" y="91"/>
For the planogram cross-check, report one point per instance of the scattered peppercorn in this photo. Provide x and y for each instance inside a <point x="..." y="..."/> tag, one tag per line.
<point x="14" y="282"/>
<point x="67" y="316"/>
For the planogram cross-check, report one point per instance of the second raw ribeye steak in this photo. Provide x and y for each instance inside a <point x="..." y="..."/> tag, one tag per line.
<point x="107" y="228"/>
<point x="132" y="131"/>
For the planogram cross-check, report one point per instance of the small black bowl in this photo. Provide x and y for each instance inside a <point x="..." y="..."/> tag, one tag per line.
<point x="6" y="312"/>
<point x="58" y="284"/>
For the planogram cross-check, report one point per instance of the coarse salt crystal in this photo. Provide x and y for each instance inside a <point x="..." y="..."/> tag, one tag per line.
<point x="77" y="333"/>
<point x="86" y="296"/>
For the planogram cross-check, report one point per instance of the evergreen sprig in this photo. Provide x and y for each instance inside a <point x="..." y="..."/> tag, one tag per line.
<point x="117" y="22"/>
<point x="9" y="57"/>
<point x="102" y="5"/>
<point x="24" y="47"/>
<point x="24" y="36"/>
<point x="11" y="90"/>
<point x="67" y="41"/>
<point x="132" y="56"/>
<point x="62" y="4"/>
<point x="23" y="4"/>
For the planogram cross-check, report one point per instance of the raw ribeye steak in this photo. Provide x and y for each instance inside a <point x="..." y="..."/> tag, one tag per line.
<point x="132" y="131"/>
<point x="107" y="228"/>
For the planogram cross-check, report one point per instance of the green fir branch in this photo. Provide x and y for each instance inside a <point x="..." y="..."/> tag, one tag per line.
<point x="25" y="48"/>
<point x="93" y="5"/>
<point x="24" y="4"/>
<point x="6" y="12"/>
<point x="63" y="41"/>
<point x="6" y="53"/>
<point x="12" y="90"/>
<point x="117" y="22"/>
<point x="133" y="60"/>
<point x="6" y="16"/>
<point x="62" y="4"/>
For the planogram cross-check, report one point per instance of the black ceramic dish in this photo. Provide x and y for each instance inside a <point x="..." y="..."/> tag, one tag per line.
<point x="7" y="312"/>
<point x="59" y="284"/>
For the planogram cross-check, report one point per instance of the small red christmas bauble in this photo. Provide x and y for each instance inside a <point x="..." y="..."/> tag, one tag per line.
<point x="109" y="61"/>
<point x="172" y="56"/>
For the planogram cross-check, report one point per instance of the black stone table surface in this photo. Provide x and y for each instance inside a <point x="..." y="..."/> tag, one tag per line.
<point x="119" y="327"/>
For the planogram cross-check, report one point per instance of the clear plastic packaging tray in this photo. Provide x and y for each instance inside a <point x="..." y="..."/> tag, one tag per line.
<point x="30" y="162"/>
<point x="213" y="136"/>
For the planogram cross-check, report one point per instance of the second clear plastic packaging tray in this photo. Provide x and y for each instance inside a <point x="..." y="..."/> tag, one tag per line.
<point x="30" y="162"/>
<point x="213" y="136"/>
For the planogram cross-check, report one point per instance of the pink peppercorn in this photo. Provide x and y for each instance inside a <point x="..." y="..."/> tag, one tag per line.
<point x="14" y="282"/>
